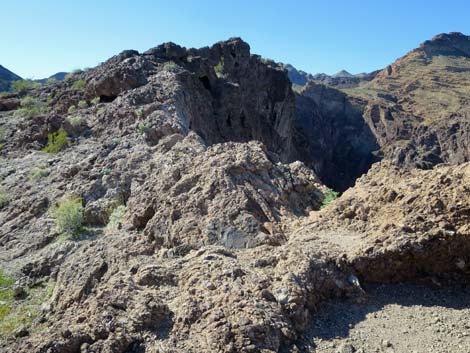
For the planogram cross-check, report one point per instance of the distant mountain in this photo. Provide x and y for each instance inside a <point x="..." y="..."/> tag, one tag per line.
<point x="297" y="77"/>
<point x="343" y="73"/>
<point x="343" y="79"/>
<point x="58" y="76"/>
<point x="431" y="81"/>
<point x="6" y="77"/>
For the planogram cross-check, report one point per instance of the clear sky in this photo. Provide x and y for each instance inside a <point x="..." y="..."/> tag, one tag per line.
<point x="42" y="37"/>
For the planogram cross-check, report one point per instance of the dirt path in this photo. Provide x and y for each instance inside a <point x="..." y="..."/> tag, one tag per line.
<point x="395" y="318"/>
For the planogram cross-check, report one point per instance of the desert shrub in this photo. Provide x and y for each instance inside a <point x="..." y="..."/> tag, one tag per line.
<point x="4" y="199"/>
<point x="219" y="68"/>
<point x="142" y="128"/>
<point x="95" y="101"/>
<point x="56" y="141"/>
<point x="51" y="80"/>
<point x="23" y="85"/>
<point x="6" y="294"/>
<point x="16" y="313"/>
<point x="116" y="217"/>
<point x="3" y="136"/>
<point x="169" y="65"/>
<point x="30" y="107"/>
<point x="330" y="195"/>
<point x="116" y="140"/>
<point x="38" y="173"/>
<point x="72" y="109"/>
<point x="139" y="112"/>
<point x="82" y="104"/>
<point x="76" y="120"/>
<point x="68" y="215"/>
<point x="79" y="84"/>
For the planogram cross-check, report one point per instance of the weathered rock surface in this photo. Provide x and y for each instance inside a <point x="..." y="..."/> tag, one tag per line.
<point x="221" y="246"/>
<point x="332" y="135"/>
<point x="410" y="223"/>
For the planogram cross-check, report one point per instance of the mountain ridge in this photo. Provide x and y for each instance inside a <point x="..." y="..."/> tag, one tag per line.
<point x="6" y="77"/>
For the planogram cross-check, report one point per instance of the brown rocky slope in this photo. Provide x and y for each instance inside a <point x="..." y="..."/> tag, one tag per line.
<point x="221" y="245"/>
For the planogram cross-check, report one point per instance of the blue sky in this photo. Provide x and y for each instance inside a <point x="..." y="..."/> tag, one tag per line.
<point x="42" y="37"/>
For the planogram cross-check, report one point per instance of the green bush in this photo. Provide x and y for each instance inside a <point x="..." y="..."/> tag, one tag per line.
<point x="56" y="141"/>
<point x="72" y="109"/>
<point x="6" y="294"/>
<point x="3" y="136"/>
<point x="170" y="65"/>
<point x="4" y="199"/>
<point x="116" y="217"/>
<point x="142" y="128"/>
<point x="30" y="107"/>
<point x="82" y="105"/>
<point x="219" y="68"/>
<point x="51" y="80"/>
<point x="68" y="215"/>
<point x="15" y="313"/>
<point x="330" y="195"/>
<point x="139" y="112"/>
<point x="38" y="173"/>
<point x="95" y="101"/>
<point x="79" y="84"/>
<point x="23" y="85"/>
<point x="116" y="140"/>
<point x="76" y="120"/>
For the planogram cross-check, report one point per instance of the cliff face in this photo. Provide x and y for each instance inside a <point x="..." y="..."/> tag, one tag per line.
<point x="332" y="135"/>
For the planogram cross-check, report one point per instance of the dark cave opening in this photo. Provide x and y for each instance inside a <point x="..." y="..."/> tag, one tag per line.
<point x="107" y="99"/>
<point x="205" y="82"/>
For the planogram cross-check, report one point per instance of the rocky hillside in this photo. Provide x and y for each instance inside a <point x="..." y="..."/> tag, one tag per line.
<point x="6" y="77"/>
<point x="175" y="201"/>
<point x="415" y="112"/>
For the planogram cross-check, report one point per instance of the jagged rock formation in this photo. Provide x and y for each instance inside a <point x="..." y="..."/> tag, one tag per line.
<point x="6" y="77"/>
<point x="213" y="161"/>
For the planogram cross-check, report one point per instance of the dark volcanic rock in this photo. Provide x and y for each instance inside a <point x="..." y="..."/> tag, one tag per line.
<point x="201" y="232"/>
<point x="332" y="136"/>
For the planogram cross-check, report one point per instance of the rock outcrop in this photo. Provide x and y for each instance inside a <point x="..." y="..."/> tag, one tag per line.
<point x="198" y="175"/>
